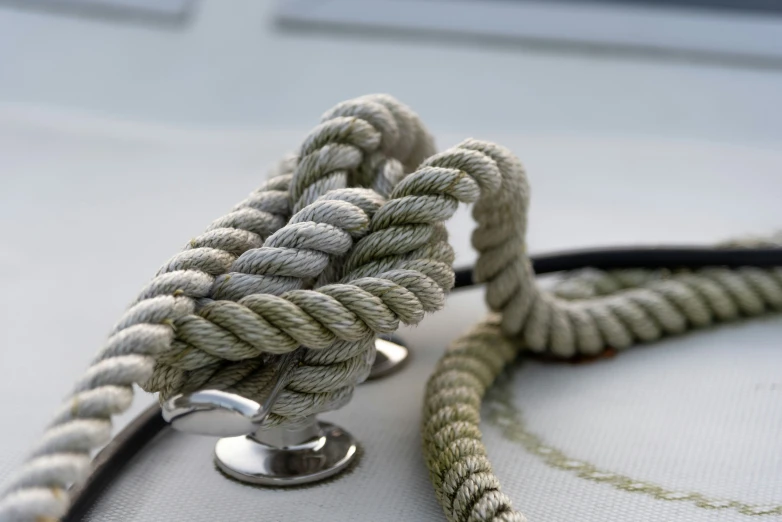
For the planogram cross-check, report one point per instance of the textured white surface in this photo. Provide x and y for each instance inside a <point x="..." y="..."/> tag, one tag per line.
<point x="694" y="414"/>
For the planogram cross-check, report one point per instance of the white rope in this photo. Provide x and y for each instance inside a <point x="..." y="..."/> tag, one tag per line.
<point x="587" y="312"/>
<point x="166" y="322"/>
<point x="311" y="259"/>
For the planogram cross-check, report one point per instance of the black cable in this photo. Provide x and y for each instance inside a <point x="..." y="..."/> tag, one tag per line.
<point x="130" y="441"/>
<point x="644" y="257"/>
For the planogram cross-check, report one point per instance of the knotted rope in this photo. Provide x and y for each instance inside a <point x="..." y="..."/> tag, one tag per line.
<point x="176" y="335"/>
<point x="308" y="261"/>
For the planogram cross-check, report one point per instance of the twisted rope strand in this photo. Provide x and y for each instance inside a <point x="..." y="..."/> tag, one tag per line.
<point x="38" y="491"/>
<point x="290" y="258"/>
<point x="452" y="442"/>
<point x="353" y="311"/>
<point x="164" y="319"/>
<point x="459" y="468"/>
<point x="377" y="302"/>
<point x="345" y="363"/>
<point x="547" y="323"/>
<point x="319" y="169"/>
<point x="455" y="456"/>
<point x="601" y="309"/>
<point x="643" y="305"/>
<point x="426" y="203"/>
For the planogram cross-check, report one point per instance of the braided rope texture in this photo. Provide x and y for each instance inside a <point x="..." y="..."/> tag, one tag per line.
<point x="590" y="310"/>
<point x="264" y="307"/>
<point x="313" y="260"/>
<point x="587" y="312"/>
<point x="175" y="320"/>
<point x="396" y="273"/>
<point x="459" y="468"/>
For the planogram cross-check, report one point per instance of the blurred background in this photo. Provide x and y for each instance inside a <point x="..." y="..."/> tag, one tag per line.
<point x="126" y="126"/>
<point x="683" y="68"/>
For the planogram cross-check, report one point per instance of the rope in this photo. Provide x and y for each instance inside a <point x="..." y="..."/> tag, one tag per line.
<point x="342" y="245"/>
<point x="388" y="282"/>
<point x="170" y="320"/>
<point x="586" y="312"/>
<point x="39" y="490"/>
<point x="589" y="282"/>
<point x="459" y="467"/>
<point x="272" y="317"/>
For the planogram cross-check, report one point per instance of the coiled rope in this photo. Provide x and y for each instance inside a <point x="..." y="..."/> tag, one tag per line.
<point x="307" y="261"/>
<point x="587" y="311"/>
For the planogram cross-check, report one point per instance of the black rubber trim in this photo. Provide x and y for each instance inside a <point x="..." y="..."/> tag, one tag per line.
<point x="645" y="257"/>
<point x="113" y="458"/>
